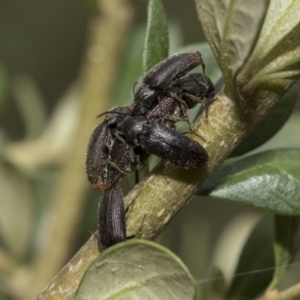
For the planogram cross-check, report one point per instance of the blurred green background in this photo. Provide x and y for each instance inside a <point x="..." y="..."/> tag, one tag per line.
<point x="45" y="46"/>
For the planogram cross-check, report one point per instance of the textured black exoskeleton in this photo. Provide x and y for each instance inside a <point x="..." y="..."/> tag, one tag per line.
<point x="155" y="138"/>
<point x="175" y="66"/>
<point x="111" y="217"/>
<point x="97" y="153"/>
<point x="122" y="143"/>
<point x="194" y="88"/>
<point x="109" y="157"/>
<point x="166" y="93"/>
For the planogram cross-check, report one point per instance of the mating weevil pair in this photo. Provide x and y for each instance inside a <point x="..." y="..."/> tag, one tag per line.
<point x="128" y="134"/>
<point x="170" y="78"/>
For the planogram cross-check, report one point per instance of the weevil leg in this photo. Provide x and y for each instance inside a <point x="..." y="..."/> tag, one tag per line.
<point x="118" y="134"/>
<point x="206" y="104"/>
<point x="196" y="134"/>
<point x="117" y="168"/>
<point x="201" y="101"/>
<point x="202" y="62"/>
<point x="183" y="107"/>
<point x="185" y="117"/>
<point x="198" y="81"/>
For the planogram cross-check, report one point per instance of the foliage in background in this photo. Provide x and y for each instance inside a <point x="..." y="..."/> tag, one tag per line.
<point x="268" y="180"/>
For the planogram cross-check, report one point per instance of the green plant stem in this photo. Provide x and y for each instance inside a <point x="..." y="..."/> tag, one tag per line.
<point x="99" y="73"/>
<point x="155" y="201"/>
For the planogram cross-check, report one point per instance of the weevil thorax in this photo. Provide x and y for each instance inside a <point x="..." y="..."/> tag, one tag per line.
<point x="133" y="128"/>
<point x="144" y="99"/>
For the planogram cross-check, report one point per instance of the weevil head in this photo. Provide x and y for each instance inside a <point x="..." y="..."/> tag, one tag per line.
<point x="210" y="89"/>
<point x="195" y="88"/>
<point x="117" y="115"/>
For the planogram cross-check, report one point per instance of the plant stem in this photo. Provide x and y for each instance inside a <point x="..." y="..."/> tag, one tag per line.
<point x="155" y="201"/>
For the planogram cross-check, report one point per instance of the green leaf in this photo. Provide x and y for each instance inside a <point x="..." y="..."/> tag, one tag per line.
<point x="268" y="180"/>
<point x="136" y="269"/>
<point x="131" y="67"/>
<point x="287" y="240"/>
<point x="276" y="55"/>
<point x="270" y="125"/>
<point x="231" y="28"/>
<point x="157" y="39"/>
<point x="255" y="266"/>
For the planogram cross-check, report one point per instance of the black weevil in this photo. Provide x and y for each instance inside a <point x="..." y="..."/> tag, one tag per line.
<point x="111" y="217"/>
<point x="109" y="157"/>
<point x="128" y="142"/>
<point x="155" y="138"/>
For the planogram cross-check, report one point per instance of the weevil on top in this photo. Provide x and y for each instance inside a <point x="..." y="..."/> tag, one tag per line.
<point x="170" y="78"/>
<point x="121" y="144"/>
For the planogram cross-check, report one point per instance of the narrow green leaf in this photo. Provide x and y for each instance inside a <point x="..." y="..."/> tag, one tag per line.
<point x="255" y="266"/>
<point x="231" y="28"/>
<point x="131" y="67"/>
<point x="286" y="244"/>
<point x="157" y="39"/>
<point x="136" y="269"/>
<point x="276" y="55"/>
<point x="265" y="130"/>
<point x="268" y="180"/>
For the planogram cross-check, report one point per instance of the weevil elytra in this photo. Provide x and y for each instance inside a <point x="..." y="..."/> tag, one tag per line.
<point x="111" y="217"/>
<point x="175" y="66"/>
<point x="109" y="157"/>
<point x="96" y="156"/>
<point x="170" y="145"/>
